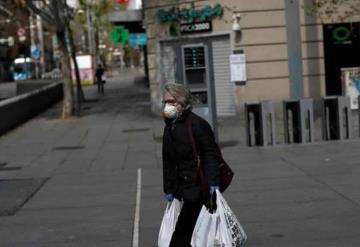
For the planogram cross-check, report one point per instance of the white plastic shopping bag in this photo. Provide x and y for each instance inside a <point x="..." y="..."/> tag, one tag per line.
<point x="204" y="233"/>
<point x="230" y="230"/>
<point x="168" y="223"/>
<point x="103" y="77"/>
<point x="220" y="229"/>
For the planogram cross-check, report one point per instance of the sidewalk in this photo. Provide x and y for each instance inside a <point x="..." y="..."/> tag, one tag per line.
<point x="7" y="90"/>
<point x="83" y="175"/>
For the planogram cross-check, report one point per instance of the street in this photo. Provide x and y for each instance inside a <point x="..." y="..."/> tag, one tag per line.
<point x="75" y="182"/>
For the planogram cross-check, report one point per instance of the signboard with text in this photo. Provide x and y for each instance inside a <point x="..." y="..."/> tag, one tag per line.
<point x="136" y="39"/>
<point x="196" y="27"/>
<point x="85" y="69"/>
<point x="351" y="84"/>
<point x="237" y="67"/>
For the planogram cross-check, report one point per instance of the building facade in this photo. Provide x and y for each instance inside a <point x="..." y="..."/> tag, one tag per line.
<point x="288" y="53"/>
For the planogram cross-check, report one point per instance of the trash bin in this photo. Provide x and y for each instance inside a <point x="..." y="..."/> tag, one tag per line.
<point x="299" y="121"/>
<point x="336" y="118"/>
<point x="260" y="123"/>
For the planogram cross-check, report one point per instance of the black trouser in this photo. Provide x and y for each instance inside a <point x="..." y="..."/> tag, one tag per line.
<point x="100" y="86"/>
<point x="185" y="224"/>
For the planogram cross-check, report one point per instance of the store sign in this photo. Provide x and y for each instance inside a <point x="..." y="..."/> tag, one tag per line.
<point x="190" y="15"/>
<point x="342" y="35"/>
<point x="56" y="47"/>
<point x="197" y="27"/>
<point x="86" y="70"/>
<point x="119" y="35"/>
<point x="136" y="39"/>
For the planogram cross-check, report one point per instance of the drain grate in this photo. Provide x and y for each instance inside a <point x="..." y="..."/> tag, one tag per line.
<point x="136" y="130"/>
<point x="68" y="148"/>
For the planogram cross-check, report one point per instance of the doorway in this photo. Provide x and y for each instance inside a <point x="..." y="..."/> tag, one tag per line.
<point x="341" y="50"/>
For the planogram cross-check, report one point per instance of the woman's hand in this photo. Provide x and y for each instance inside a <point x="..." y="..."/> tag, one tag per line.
<point x="213" y="189"/>
<point x="212" y="199"/>
<point x="169" y="197"/>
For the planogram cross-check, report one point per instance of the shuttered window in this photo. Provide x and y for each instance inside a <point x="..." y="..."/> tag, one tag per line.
<point x="224" y="89"/>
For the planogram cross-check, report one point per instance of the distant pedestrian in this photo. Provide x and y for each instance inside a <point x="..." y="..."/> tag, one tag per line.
<point x="180" y="167"/>
<point x="100" y="78"/>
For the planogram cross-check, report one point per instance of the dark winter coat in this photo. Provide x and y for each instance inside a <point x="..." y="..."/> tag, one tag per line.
<point x="99" y="73"/>
<point x="180" y="171"/>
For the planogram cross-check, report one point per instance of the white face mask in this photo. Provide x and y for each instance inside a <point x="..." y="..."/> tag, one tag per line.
<point x="170" y="111"/>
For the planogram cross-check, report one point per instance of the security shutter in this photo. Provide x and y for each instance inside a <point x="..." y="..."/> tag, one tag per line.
<point x="224" y="89"/>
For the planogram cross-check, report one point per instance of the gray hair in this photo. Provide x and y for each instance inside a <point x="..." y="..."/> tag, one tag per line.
<point x="181" y="94"/>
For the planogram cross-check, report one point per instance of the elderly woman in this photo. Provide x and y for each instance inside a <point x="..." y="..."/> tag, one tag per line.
<point x="180" y="167"/>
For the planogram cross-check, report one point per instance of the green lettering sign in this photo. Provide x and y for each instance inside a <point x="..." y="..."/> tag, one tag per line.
<point x="190" y="15"/>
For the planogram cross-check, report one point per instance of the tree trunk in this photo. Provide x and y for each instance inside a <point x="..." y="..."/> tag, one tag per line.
<point x="68" y="102"/>
<point x="97" y="39"/>
<point x="79" y="92"/>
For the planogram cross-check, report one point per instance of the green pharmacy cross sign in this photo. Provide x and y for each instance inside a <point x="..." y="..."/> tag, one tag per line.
<point x="119" y="35"/>
<point x="190" y="15"/>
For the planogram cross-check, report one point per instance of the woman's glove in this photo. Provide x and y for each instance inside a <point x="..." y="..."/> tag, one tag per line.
<point x="169" y="197"/>
<point x="213" y="189"/>
<point x="212" y="199"/>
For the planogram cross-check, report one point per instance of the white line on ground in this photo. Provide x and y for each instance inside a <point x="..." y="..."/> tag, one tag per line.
<point x="137" y="211"/>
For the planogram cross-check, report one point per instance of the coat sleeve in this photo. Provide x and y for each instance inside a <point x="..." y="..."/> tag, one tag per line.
<point x="208" y="151"/>
<point x="168" y="170"/>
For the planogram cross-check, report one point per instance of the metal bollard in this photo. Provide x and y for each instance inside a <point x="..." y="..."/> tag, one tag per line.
<point x="336" y="118"/>
<point x="301" y="116"/>
<point x="263" y="118"/>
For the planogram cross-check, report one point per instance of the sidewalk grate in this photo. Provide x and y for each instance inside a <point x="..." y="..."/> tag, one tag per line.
<point x="136" y="130"/>
<point x="68" y="148"/>
<point x="14" y="193"/>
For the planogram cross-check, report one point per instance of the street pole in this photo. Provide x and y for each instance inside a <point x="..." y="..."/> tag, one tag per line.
<point x="90" y="32"/>
<point x="88" y="20"/>
<point x="33" y="44"/>
<point x="41" y="41"/>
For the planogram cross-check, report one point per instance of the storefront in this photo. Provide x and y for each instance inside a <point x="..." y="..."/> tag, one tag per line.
<point x="191" y="42"/>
